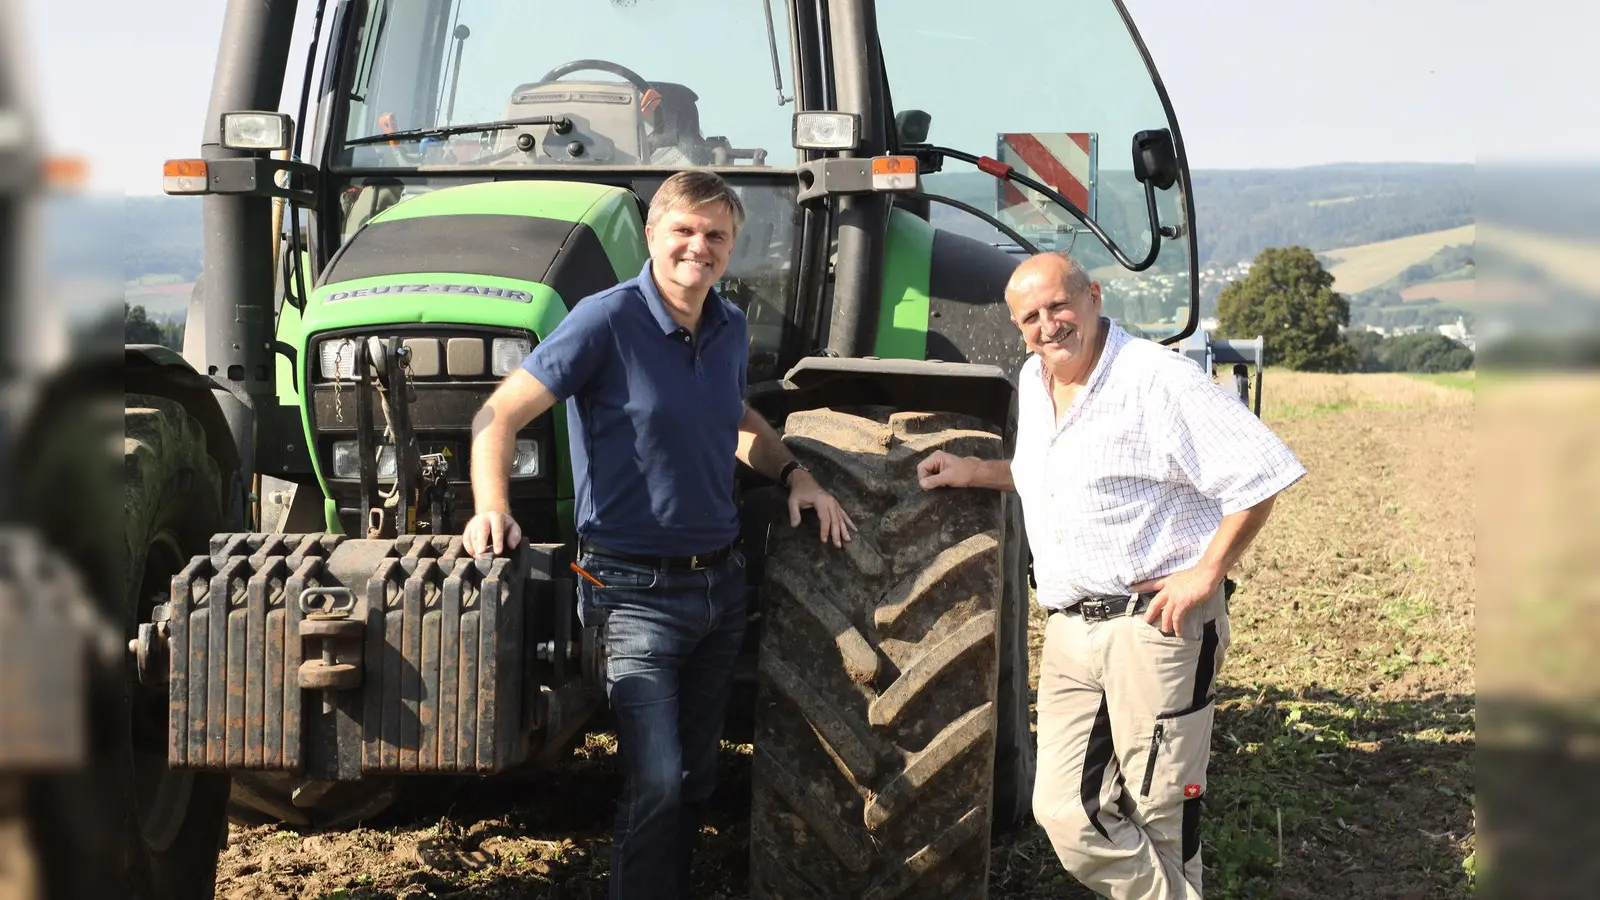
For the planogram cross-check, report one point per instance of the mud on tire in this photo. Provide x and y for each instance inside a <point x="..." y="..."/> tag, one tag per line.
<point x="173" y="503"/>
<point x="876" y="714"/>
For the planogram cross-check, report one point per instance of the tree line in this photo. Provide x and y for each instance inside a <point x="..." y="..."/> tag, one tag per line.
<point x="1288" y="299"/>
<point x="139" y="328"/>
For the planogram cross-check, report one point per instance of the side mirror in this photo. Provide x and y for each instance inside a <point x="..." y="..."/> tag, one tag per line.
<point x="1155" y="159"/>
<point x="912" y="126"/>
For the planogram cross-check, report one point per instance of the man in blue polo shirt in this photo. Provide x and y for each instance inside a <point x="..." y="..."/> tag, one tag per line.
<point x="653" y="374"/>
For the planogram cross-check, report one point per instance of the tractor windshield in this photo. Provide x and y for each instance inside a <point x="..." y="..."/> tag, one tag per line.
<point x="1057" y="89"/>
<point x="609" y="83"/>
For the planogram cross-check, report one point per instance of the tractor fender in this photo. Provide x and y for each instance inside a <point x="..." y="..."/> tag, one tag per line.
<point x="162" y="372"/>
<point x="144" y="369"/>
<point x="972" y="389"/>
<point x="227" y="421"/>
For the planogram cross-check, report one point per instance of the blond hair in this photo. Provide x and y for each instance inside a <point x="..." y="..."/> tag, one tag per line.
<point x="692" y="190"/>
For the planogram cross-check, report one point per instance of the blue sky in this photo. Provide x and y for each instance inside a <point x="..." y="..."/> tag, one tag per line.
<point x="1256" y="83"/>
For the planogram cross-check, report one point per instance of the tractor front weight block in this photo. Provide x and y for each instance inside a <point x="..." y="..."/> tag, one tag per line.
<point x="343" y="658"/>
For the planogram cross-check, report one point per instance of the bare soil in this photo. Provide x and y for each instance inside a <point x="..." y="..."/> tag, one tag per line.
<point x="1342" y="758"/>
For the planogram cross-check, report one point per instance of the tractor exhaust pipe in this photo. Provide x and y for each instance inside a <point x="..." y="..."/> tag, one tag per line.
<point x="863" y="218"/>
<point x="239" y="276"/>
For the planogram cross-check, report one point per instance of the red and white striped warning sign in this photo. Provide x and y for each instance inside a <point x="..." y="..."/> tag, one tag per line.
<point x="1066" y="162"/>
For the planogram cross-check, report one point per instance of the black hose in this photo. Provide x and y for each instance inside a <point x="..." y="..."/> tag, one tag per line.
<point x="1005" y="229"/>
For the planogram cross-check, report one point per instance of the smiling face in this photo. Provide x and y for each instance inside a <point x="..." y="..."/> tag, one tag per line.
<point x="690" y="246"/>
<point x="1057" y="309"/>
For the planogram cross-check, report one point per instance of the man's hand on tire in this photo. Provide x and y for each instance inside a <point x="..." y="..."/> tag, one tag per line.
<point x="805" y="493"/>
<point x="491" y="532"/>
<point x="943" y="469"/>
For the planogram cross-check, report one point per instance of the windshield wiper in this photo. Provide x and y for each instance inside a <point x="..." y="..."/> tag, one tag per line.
<point x="562" y="126"/>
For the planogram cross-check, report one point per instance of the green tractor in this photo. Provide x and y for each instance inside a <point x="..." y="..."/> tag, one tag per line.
<point x="311" y="637"/>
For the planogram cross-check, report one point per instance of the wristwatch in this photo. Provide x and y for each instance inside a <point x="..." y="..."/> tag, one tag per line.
<point x="788" y="469"/>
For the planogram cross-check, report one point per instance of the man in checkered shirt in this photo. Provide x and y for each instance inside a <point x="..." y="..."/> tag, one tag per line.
<point x="1142" y="483"/>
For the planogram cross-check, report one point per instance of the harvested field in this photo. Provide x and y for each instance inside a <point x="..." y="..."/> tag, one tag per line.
<point x="1356" y="269"/>
<point x="1343" y="752"/>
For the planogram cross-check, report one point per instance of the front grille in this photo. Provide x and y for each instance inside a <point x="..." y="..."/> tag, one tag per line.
<point x="451" y="377"/>
<point x="437" y="354"/>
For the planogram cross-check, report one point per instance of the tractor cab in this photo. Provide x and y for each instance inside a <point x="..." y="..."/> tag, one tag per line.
<point x="1017" y="149"/>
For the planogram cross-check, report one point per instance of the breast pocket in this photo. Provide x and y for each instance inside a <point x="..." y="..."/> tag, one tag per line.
<point x="1115" y="473"/>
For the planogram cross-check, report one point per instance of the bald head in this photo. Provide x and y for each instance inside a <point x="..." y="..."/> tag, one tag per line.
<point x="1056" y="268"/>
<point x="1056" y="306"/>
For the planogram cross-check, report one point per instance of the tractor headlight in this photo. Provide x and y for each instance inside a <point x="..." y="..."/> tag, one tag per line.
<point x="525" y="462"/>
<point x="347" y="463"/>
<point x="826" y="131"/>
<point x="508" y="353"/>
<point x="338" y="357"/>
<point x="256" y="130"/>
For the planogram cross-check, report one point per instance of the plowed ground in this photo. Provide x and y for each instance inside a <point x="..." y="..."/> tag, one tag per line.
<point x="1342" y="758"/>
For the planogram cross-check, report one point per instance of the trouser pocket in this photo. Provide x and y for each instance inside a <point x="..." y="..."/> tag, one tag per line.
<point x="1176" y="755"/>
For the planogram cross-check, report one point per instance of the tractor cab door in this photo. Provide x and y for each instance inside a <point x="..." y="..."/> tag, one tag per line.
<point x="1062" y="93"/>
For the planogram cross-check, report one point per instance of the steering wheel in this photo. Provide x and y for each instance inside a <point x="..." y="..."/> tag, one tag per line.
<point x="602" y="65"/>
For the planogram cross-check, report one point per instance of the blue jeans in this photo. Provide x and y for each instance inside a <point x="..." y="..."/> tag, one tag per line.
<point x="672" y="639"/>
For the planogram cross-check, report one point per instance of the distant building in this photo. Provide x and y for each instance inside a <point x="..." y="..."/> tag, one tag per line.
<point x="1459" y="333"/>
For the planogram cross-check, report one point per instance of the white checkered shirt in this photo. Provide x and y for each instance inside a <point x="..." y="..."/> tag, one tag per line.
<point x="1134" y="480"/>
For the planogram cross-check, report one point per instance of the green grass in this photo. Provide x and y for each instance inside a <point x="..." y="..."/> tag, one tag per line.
<point x="1466" y="381"/>
<point x="1292" y="411"/>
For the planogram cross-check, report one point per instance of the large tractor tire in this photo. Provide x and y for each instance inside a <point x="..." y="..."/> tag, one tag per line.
<point x="876" y="714"/>
<point x="174" y="821"/>
<point x="1014" y="764"/>
<point x="161" y="829"/>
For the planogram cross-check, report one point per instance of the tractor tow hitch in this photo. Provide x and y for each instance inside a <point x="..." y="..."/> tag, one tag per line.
<point x="332" y="643"/>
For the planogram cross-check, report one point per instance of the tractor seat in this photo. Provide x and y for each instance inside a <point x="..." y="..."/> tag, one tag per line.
<point x="675" y="137"/>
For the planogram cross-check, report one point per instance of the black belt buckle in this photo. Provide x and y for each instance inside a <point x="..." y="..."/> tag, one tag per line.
<point x="696" y="563"/>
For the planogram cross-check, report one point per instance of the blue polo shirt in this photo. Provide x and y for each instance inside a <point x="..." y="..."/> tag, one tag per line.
<point x="652" y="417"/>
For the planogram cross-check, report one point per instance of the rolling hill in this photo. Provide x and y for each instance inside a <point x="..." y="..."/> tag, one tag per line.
<point x="1360" y="268"/>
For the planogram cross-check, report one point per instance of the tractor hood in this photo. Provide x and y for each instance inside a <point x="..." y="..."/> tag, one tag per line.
<point x="511" y="254"/>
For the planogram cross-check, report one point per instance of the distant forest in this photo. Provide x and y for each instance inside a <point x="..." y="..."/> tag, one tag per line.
<point x="1325" y="207"/>
<point x="164" y="237"/>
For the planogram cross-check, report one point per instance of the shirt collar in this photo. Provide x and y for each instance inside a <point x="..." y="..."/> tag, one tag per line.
<point x="711" y="313"/>
<point x="1116" y="339"/>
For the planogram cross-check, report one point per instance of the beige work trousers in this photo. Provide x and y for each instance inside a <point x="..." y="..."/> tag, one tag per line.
<point x="1125" y="717"/>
